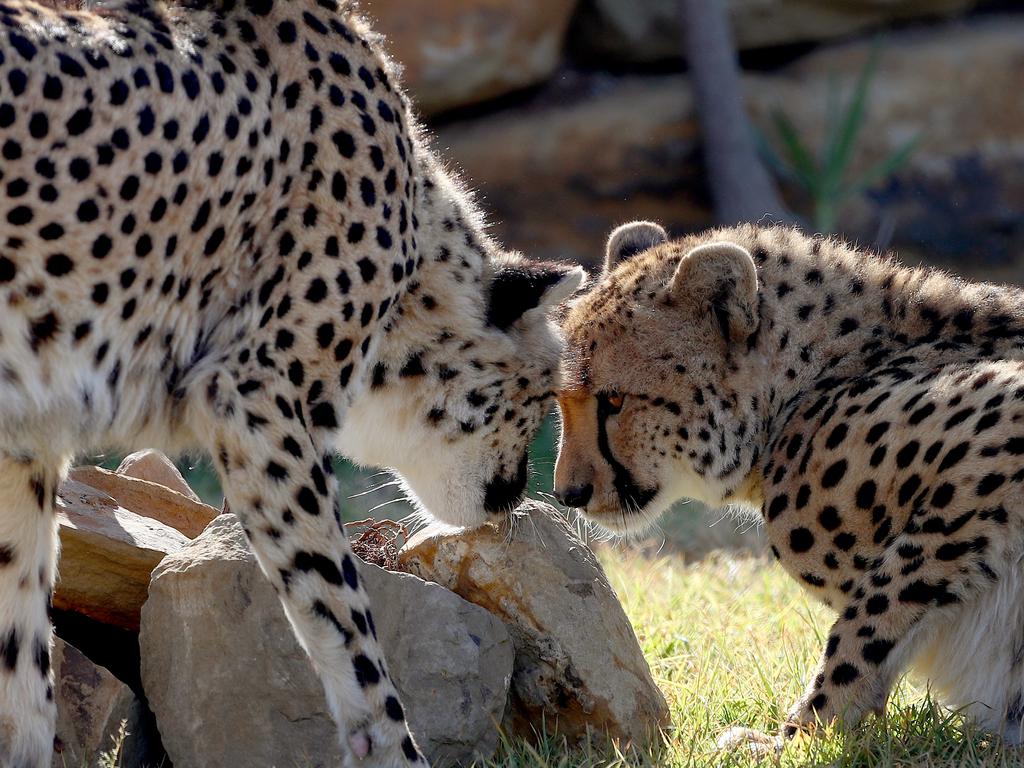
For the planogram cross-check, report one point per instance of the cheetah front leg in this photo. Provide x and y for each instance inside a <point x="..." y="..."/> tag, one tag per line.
<point x="897" y="601"/>
<point x="28" y="565"/>
<point x="277" y="477"/>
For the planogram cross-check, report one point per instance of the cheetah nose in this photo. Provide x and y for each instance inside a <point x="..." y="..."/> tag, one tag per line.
<point x="577" y="496"/>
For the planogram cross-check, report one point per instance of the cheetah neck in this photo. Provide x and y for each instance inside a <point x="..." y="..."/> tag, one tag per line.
<point x="834" y="314"/>
<point x="444" y="302"/>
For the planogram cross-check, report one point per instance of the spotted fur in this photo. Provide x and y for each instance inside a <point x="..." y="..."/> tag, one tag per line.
<point x="222" y="229"/>
<point x="872" y="413"/>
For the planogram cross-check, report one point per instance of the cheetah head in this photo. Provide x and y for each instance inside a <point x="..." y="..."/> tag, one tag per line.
<point x="659" y="373"/>
<point x="461" y="387"/>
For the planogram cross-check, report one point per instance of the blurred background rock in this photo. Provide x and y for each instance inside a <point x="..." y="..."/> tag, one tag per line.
<point x="570" y="116"/>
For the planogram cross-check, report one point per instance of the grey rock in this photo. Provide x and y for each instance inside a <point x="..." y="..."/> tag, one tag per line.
<point x="579" y="668"/>
<point x="91" y="706"/>
<point x="453" y="672"/>
<point x="231" y="686"/>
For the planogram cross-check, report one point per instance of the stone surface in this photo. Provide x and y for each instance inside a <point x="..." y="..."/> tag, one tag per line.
<point x="605" y="150"/>
<point x="155" y="467"/>
<point x="578" y="664"/>
<point x="645" y="31"/>
<point x="459" y="52"/>
<point x="107" y="555"/>
<point x="91" y="704"/>
<point x="230" y="685"/>
<point x="149" y="498"/>
<point x="117" y="651"/>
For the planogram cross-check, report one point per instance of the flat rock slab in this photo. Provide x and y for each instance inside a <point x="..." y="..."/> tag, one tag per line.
<point x="231" y="686"/>
<point x="149" y="497"/>
<point x="115" y="528"/>
<point x="107" y="555"/>
<point x="579" y="669"/>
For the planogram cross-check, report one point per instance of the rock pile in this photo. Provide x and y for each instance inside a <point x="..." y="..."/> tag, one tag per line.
<point x="114" y="529"/>
<point x="230" y="685"/>
<point x="618" y="138"/>
<point x="481" y="633"/>
<point x="648" y="31"/>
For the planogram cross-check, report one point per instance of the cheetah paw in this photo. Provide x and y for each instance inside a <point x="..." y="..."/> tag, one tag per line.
<point x="380" y="745"/>
<point x="760" y="745"/>
<point x="359" y="743"/>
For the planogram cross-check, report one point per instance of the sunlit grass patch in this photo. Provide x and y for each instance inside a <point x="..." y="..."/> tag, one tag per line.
<point x="731" y="642"/>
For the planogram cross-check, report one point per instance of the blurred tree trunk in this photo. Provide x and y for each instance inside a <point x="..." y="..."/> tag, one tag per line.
<point x="740" y="184"/>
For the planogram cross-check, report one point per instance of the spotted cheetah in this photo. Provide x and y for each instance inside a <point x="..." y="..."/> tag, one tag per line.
<point x="872" y="413"/>
<point x="221" y="229"/>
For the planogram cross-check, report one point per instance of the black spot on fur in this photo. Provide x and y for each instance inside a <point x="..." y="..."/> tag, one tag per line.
<point x="801" y="540"/>
<point x="366" y="671"/>
<point x="322" y="565"/>
<point x="834" y="474"/>
<point x="517" y="289"/>
<point x="10" y="645"/>
<point x="844" y="674"/>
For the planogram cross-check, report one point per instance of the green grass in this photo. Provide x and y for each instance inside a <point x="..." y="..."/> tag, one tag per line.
<point x="731" y="642"/>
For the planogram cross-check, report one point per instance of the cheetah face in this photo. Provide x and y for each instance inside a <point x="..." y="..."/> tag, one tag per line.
<point x="653" y="407"/>
<point x="454" y="411"/>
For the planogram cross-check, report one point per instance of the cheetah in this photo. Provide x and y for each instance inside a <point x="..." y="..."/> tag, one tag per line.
<point x="222" y="230"/>
<point x="873" y="414"/>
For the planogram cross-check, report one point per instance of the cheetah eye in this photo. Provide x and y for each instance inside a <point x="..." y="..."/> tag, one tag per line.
<point x="613" y="401"/>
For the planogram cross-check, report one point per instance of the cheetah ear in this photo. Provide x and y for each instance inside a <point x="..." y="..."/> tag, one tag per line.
<point x="720" y="278"/>
<point x="630" y="239"/>
<point x="521" y="286"/>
